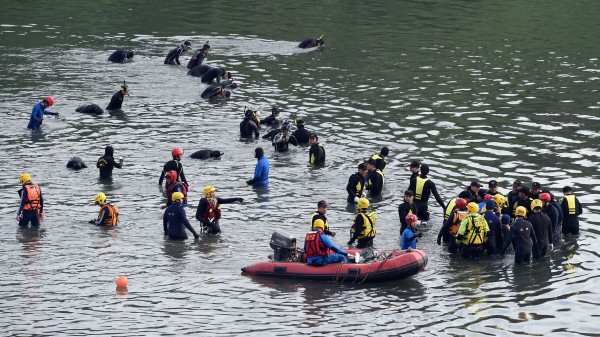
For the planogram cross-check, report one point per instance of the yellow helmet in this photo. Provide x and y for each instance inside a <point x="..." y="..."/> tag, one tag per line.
<point x="472" y="208"/>
<point x="536" y="203"/>
<point x="499" y="200"/>
<point x="363" y="203"/>
<point x="208" y="189"/>
<point x="100" y="198"/>
<point x="176" y="196"/>
<point x="319" y="224"/>
<point x="24" y="178"/>
<point x="521" y="211"/>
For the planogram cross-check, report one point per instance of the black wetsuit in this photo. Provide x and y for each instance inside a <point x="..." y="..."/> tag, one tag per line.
<point x="355" y="187"/>
<point x="472" y="196"/>
<point x="405" y="209"/>
<point x="30" y="215"/>
<point x="570" y="223"/>
<point x="106" y="163"/>
<point x="248" y="128"/>
<point x="316" y="154"/>
<point x="281" y="142"/>
<point x="199" y="71"/>
<point x="76" y="163"/>
<point x="495" y="235"/>
<point x="271" y="135"/>
<point x="196" y="59"/>
<point x="89" y="109"/>
<point x="176" y="166"/>
<point x="444" y="234"/>
<point x="213" y="227"/>
<point x="119" y="56"/>
<point x="412" y="182"/>
<point x="308" y="43"/>
<point x="374" y="182"/>
<point x="302" y="135"/>
<point x="428" y="189"/>
<point x="173" y="55"/>
<point x="359" y="222"/>
<point x="511" y="198"/>
<point x="543" y="232"/>
<point x="212" y="91"/>
<point x="116" y="102"/>
<point x="212" y="75"/>
<point x="521" y="235"/>
<point x="205" y="154"/>
<point x="175" y="222"/>
<point x="270" y="120"/>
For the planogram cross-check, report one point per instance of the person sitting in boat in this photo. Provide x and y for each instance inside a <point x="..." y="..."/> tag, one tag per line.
<point x="209" y="210"/>
<point x="319" y="249"/>
<point x="410" y="235"/>
<point x="363" y="227"/>
<point x="473" y="232"/>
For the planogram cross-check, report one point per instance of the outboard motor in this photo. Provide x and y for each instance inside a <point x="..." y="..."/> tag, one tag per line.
<point x="284" y="247"/>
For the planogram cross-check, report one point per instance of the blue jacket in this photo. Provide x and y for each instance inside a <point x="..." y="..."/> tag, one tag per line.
<point x="408" y="239"/>
<point x="261" y="172"/>
<point x="317" y="260"/>
<point x="493" y="222"/>
<point x="174" y="221"/>
<point x="37" y="116"/>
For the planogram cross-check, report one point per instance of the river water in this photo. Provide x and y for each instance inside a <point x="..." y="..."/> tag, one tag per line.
<point x="476" y="89"/>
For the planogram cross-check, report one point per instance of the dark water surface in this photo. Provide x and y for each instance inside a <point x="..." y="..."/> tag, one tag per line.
<point x="476" y="89"/>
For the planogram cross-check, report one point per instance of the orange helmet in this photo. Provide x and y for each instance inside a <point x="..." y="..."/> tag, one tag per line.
<point x="171" y="175"/>
<point x="412" y="218"/>
<point x="487" y="197"/>
<point x="50" y="100"/>
<point x="461" y="203"/>
<point x="176" y="152"/>
<point x="545" y="196"/>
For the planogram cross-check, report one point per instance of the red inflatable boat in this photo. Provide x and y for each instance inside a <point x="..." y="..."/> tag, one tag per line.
<point x="386" y="266"/>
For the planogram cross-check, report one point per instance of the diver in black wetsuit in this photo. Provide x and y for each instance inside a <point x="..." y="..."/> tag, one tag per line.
<point x="215" y="91"/>
<point x="199" y="71"/>
<point x="107" y="162"/>
<point x="116" y="102"/>
<point x="174" y="54"/>
<point x="215" y="74"/>
<point x="174" y="165"/>
<point x="302" y="135"/>
<point x="89" y="109"/>
<point x="272" y="120"/>
<point x="199" y="56"/>
<point x="522" y="237"/>
<point x="120" y="56"/>
<point x="206" y="154"/>
<point x="248" y="127"/>
<point x="282" y="139"/>
<point x="311" y="43"/>
<point x="76" y="164"/>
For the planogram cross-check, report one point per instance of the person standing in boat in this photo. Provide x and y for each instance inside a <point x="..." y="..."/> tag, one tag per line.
<point x="319" y="249"/>
<point x="363" y="228"/>
<point x="410" y="235"/>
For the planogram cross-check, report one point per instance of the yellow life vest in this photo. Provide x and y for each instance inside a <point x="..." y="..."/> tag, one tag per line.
<point x="377" y="156"/>
<point x="459" y="216"/>
<point x="449" y="209"/>
<point x="419" y="188"/>
<point x="382" y="178"/>
<point x="312" y="156"/>
<point x="368" y="228"/>
<point x="312" y="222"/>
<point x="571" y="203"/>
<point x="476" y="230"/>
<point x="112" y="218"/>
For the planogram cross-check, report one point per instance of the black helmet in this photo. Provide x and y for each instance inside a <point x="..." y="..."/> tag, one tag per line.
<point x="129" y="54"/>
<point x="188" y="44"/>
<point x="285" y="126"/>
<point x="249" y="113"/>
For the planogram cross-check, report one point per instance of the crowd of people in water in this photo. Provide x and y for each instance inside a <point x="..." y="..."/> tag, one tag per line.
<point x="477" y="221"/>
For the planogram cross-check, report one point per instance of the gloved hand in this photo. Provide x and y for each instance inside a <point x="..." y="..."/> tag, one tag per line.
<point x="57" y="115"/>
<point x="332" y="234"/>
<point x="419" y="235"/>
<point x="364" y="194"/>
<point x="240" y="199"/>
<point x="439" y="240"/>
<point x="92" y="221"/>
<point x="249" y="182"/>
<point x="18" y="217"/>
<point x="196" y="236"/>
<point x="350" y="242"/>
<point x="355" y="200"/>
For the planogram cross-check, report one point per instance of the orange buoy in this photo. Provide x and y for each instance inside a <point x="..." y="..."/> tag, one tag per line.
<point x="122" y="281"/>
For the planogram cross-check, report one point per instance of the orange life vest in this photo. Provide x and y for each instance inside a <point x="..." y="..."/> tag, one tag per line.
<point x="314" y="246"/>
<point x="33" y="197"/>
<point x="112" y="217"/>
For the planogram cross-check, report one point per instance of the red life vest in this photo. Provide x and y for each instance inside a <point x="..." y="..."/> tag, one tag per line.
<point x="32" y="203"/>
<point x="171" y="188"/>
<point x="314" y="246"/>
<point x="212" y="211"/>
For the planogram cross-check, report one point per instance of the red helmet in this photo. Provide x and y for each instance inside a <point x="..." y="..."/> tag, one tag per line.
<point x="50" y="100"/>
<point x="412" y="218"/>
<point x="487" y="197"/>
<point x="176" y="152"/>
<point x="461" y="203"/>
<point x="545" y="196"/>
<point x="171" y="175"/>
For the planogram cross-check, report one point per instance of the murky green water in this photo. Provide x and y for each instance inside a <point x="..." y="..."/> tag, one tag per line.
<point x="477" y="89"/>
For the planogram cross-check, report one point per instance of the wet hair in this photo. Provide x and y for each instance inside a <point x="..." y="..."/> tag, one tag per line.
<point x="465" y="195"/>
<point x="187" y="44"/>
<point x="424" y="169"/>
<point x="216" y="154"/>
<point x="259" y="152"/>
<point x="409" y="192"/>
<point x="314" y="135"/>
<point x="322" y="203"/>
<point x="482" y="192"/>
<point x="227" y="94"/>
<point x="567" y="189"/>
<point x="385" y="151"/>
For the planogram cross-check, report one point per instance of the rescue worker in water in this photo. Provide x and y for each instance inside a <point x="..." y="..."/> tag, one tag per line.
<point x="472" y="233"/>
<point x="209" y="210"/>
<point x="363" y="227"/>
<point x="319" y="249"/>
<point x="31" y="208"/>
<point x="108" y="214"/>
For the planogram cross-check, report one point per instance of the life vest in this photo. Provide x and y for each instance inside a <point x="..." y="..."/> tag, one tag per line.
<point x="382" y="177"/>
<point x="475" y="233"/>
<point x="212" y="211"/>
<point x="33" y="197"/>
<point x="518" y="203"/>
<point x="312" y="156"/>
<point x="419" y="188"/>
<point x="368" y="228"/>
<point x="316" y="216"/>
<point x="314" y="246"/>
<point x="358" y="188"/>
<point x="112" y="217"/>
<point x="171" y="189"/>
<point x="449" y="209"/>
<point x="459" y="216"/>
<point x="570" y="202"/>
